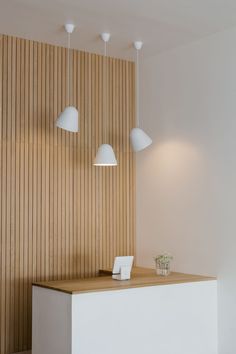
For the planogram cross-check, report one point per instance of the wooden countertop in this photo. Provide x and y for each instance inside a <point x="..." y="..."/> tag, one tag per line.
<point x="141" y="277"/>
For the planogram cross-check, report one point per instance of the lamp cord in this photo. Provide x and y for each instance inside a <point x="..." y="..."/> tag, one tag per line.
<point x="68" y="70"/>
<point x="105" y="91"/>
<point x="137" y="87"/>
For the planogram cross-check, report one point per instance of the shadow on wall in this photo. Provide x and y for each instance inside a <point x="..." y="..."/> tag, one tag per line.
<point x="175" y="199"/>
<point x="176" y="165"/>
<point x="174" y="174"/>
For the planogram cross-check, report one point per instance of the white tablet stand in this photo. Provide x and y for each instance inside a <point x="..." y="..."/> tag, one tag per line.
<point x="122" y="268"/>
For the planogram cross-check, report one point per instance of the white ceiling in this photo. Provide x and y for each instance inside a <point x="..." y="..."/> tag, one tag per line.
<point x="161" y="24"/>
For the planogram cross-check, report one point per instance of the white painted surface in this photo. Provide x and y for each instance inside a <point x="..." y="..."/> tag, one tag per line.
<point x="160" y="24"/>
<point x="171" y="319"/>
<point x="51" y="331"/>
<point x="186" y="181"/>
<point x="179" y="319"/>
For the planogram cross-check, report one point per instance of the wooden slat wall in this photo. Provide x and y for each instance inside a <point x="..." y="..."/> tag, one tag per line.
<point x="60" y="217"/>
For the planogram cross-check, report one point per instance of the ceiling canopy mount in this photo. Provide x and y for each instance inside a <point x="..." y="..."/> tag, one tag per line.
<point x="138" y="45"/>
<point x="69" y="27"/>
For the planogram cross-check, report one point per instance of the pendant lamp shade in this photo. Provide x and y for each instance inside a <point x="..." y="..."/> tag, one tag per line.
<point x="105" y="156"/>
<point x="69" y="119"/>
<point x="139" y="139"/>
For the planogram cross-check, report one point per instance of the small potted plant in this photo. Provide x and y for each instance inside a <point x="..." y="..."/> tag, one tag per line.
<point x="163" y="264"/>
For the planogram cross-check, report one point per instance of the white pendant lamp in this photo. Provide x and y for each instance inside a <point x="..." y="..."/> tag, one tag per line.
<point x="69" y="118"/>
<point x="105" y="155"/>
<point x="139" y="139"/>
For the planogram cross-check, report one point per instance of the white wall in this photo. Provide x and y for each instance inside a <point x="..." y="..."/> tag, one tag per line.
<point x="186" y="182"/>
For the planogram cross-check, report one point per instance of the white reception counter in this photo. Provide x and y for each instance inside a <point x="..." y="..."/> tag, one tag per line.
<point x="145" y="315"/>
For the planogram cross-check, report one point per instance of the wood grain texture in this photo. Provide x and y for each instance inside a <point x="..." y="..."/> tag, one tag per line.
<point x="141" y="277"/>
<point x="60" y="217"/>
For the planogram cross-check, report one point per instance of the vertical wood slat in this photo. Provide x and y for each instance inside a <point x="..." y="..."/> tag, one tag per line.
<point x="3" y="199"/>
<point x="60" y="217"/>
